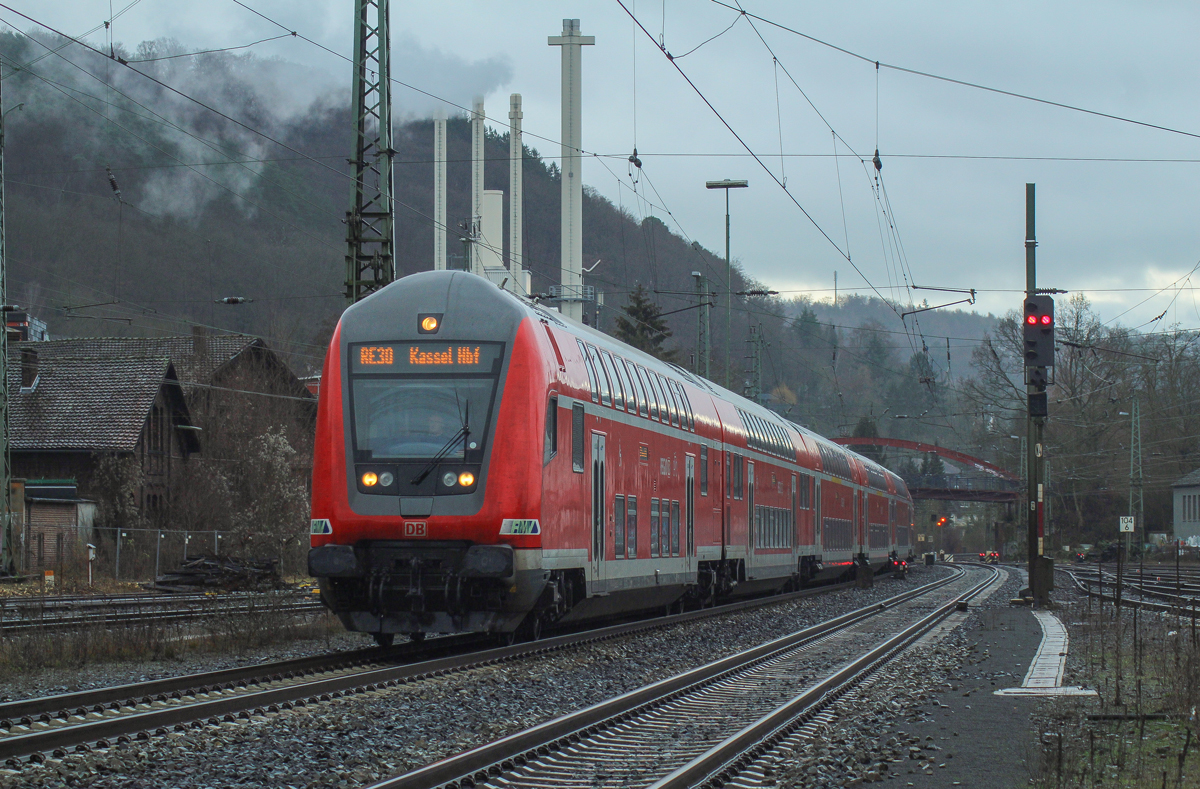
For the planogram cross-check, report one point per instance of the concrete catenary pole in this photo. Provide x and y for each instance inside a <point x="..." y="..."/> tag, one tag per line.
<point x="439" y="190"/>
<point x="516" y="155"/>
<point x="572" y="171"/>
<point x="476" y="185"/>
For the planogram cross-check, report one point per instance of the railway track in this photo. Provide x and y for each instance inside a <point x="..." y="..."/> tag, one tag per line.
<point x="103" y="717"/>
<point x="1105" y="590"/>
<point x="707" y="722"/>
<point x="31" y="617"/>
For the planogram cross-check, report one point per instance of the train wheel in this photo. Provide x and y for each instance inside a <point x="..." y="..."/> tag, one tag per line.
<point x="384" y="640"/>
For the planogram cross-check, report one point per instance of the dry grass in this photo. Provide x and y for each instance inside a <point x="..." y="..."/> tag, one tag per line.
<point x="1146" y="669"/>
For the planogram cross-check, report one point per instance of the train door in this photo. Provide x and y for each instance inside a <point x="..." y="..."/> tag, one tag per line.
<point x="795" y="515"/>
<point x="598" y="498"/>
<point x="751" y="537"/>
<point x="690" y="505"/>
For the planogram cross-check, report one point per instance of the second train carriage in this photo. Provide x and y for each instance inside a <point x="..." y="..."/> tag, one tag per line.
<point x="538" y="470"/>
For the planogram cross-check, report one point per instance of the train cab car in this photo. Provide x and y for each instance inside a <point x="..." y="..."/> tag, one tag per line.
<point x="485" y="464"/>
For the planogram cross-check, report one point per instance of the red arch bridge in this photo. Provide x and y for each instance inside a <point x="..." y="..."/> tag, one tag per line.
<point x="977" y="480"/>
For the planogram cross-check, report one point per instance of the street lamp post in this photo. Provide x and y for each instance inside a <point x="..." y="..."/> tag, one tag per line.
<point x="727" y="185"/>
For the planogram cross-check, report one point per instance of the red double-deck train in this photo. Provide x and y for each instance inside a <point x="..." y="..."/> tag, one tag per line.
<point x="484" y="464"/>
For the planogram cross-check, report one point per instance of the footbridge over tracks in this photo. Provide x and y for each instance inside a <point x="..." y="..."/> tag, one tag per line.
<point x="976" y="480"/>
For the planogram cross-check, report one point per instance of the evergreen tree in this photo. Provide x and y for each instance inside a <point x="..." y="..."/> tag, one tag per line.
<point x="642" y="325"/>
<point x="866" y="428"/>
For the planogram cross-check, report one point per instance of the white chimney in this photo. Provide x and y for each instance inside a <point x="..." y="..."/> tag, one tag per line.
<point x="476" y="184"/>
<point x="439" y="190"/>
<point x="491" y="236"/>
<point x="515" y="193"/>
<point x="572" y="176"/>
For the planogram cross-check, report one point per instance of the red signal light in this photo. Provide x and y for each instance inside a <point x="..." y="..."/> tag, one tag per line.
<point x="1046" y="320"/>
<point x="1031" y="320"/>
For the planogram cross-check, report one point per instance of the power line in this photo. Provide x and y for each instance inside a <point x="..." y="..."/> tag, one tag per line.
<point x="952" y="80"/>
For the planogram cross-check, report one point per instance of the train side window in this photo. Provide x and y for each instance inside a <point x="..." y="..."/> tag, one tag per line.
<point x="691" y="414"/>
<point x="591" y="371"/>
<point x="639" y="387"/>
<point x="618" y="395"/>
<point x="631" y="527"/>
<point x="551" y="447"/>
<point x="602" y="375"/>
<point x="670" y="398"/>
<point x="703" y="471"/>
<point x="685" y="418"/>
<point x="658" y="397"/>
<point x="654" y="528"/>
<point x="630" y="390"/>
<point x="644" y="377"/>
<point x="577" y="463"/>
<point x="619" y="527"/>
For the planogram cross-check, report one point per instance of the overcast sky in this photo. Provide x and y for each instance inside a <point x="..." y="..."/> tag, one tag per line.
<point x="1118" y="231"/>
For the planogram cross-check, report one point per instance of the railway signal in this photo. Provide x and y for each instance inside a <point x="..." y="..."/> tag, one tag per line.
<point x="1039" y="331"/>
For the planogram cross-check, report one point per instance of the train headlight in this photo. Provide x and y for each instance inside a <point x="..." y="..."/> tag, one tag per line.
<point x="466" y="479"/>
<point x="386" y="479"/>
<point x="370" y="479"/>
<point x="429" y="323"/>
<point x="449" y="478"/>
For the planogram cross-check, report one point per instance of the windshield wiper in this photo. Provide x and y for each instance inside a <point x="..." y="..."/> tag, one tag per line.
<point x="461" y="434"/>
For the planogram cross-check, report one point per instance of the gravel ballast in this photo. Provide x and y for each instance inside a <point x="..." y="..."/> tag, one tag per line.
<point x="365" y="737"/>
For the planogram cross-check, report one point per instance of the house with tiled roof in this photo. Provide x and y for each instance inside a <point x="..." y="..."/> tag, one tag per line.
<point x="69" y="412"/>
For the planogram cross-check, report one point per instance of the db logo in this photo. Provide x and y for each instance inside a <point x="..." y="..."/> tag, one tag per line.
<point x="414" y="529"/>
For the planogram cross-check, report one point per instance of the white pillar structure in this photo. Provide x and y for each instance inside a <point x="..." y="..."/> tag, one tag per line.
<point x="491" y="237"/>
<point x="516" y="155"/>
<point x="439" y="190"/>
<point x="476" y="184"/>
<point x="572" y="176"/>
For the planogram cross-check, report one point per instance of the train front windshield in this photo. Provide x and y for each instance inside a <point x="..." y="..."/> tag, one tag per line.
<point x="406" y="419"/>
<point x="416" y="401"/>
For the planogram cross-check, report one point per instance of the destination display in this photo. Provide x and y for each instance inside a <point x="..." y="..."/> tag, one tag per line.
<point x="395" y="357"/>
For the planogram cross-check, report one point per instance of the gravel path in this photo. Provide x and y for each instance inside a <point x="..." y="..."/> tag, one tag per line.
<point x="877" y="734"/>
<point x="355" y="740"/>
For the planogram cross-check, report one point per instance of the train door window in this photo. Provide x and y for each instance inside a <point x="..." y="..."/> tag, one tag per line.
<point x="654" y="528"/>
<point x="591" y="371"/>
<point x="551" y="447"/>
<point x="631" y="527"/>
<point x="640" y="388"/>
<point x="794" y="522"/>
<point x="738" y="469"/>
<point x="703" y="471"/>
<point x="577" y="438"/>
<point x="728" y="476"/>
<point x="817" y="511"/>
<point x="690" y="506"/>
<point x="601" y="376"/>
<point x="674" y="528"/>
<point x="618" y="395"/>
<point x="619" y="527"/>
<point x="599" y="521"/>
<point x="750" y="497"/>
<point x="644" y="378"/>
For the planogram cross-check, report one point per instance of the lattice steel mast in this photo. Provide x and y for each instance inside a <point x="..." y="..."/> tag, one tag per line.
<point x="370" y="224"/>
<point x="8" y="563"/>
